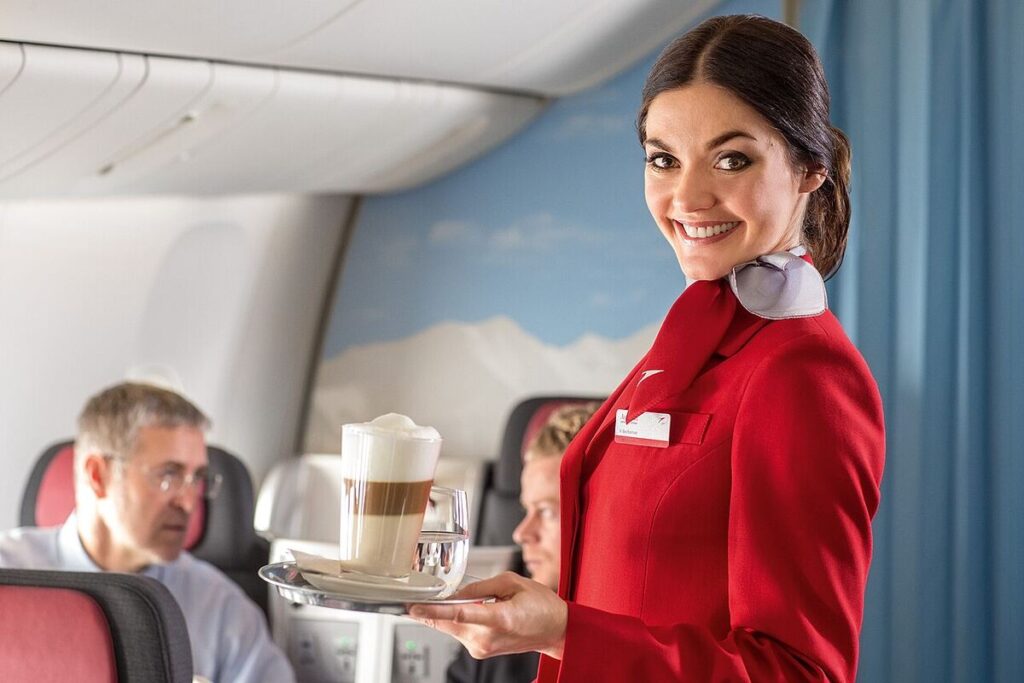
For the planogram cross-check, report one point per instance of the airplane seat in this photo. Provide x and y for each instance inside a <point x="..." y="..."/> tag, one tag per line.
<point x="300" y="499"/>
<point x="103" y="627"/>
<point x="500" y="511"/>
<point x="220" y="530"/>
<point x="229" y="541"/>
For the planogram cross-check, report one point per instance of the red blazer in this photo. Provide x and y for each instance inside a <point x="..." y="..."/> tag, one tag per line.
<point x="739" y="552"/>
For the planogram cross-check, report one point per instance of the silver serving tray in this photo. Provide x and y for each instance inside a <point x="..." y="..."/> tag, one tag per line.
<point x="291" y="586"/>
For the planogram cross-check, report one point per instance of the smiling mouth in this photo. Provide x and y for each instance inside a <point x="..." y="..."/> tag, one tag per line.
<point x="701" y="232"/>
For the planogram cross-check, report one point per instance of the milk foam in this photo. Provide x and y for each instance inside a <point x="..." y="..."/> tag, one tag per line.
<point x="389" y="448"/>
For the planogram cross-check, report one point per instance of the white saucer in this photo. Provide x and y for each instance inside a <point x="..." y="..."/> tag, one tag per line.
<point x="416" y="586"/>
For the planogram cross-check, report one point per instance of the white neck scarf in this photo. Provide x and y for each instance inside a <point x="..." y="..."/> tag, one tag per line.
<point x="779" y="286"/>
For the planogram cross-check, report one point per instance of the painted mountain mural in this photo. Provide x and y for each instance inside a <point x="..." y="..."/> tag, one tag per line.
<point x="463" y="379"/>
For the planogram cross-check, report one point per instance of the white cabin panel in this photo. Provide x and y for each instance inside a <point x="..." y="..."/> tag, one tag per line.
<point x="533" y="46"/>
<point x="328" y="133"/>
<point x="391" y="135"/>
<point x="142" y="125"/>
<point x="56" y="95"/>
<point x="167" y="92"/>
<point x="12" y="61"/>
<point x="495" y="43"/>
<point x="162" y="159"/>
<point x="223" y="294"/>
<point x="227" y="28"/>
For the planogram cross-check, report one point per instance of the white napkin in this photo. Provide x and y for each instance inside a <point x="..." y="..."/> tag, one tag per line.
<point x="316" y="563"/>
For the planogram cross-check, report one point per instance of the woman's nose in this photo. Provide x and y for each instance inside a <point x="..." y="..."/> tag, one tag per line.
<point x="692" y="192"/>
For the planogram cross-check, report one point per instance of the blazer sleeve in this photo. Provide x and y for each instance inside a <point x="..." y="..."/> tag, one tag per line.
<point x="806" y="460"/>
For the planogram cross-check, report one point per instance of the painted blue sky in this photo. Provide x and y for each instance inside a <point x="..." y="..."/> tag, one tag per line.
<point x="550" y="229"/>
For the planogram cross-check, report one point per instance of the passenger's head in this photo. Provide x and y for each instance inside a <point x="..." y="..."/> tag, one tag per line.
<point x="782" y="182"/>
<point x="140" y="466"/>
<point x="539" y="533"/>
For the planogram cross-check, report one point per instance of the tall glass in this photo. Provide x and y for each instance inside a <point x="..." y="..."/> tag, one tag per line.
<point x="387" y="471"/>
<point x="443" y="546"/>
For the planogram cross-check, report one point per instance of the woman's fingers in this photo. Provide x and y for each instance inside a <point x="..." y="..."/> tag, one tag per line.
<point x="499" y="586"/>
<point x="527" y="616"/>
<point x="462" y="614"/>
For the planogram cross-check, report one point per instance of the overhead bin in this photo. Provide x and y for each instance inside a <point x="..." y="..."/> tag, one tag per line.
<point x="536" y="46"/>
<point x="325" y="133"/>
<point x="235" y="29"/>
<point x="127" y="124"/>
<point x="544" y="46"/>
<point x="55" y="95"/>
<point x="183" y="121"/>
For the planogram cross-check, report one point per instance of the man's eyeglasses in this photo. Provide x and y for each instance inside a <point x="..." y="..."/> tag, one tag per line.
<point x="171" y="479"/>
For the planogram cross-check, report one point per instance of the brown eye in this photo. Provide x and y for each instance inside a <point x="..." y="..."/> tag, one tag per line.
<point x="733" y="161"/>
<point x="660" y="161"/>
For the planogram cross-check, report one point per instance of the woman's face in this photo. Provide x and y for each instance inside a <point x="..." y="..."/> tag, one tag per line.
<point x="719" y="182"/>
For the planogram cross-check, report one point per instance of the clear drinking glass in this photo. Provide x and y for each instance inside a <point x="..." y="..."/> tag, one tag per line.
<point x="443" y="546"/>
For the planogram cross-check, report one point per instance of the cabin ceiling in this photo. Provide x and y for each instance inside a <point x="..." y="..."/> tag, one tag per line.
<point x="546" y="47"/>
<point x="127" y="97"/>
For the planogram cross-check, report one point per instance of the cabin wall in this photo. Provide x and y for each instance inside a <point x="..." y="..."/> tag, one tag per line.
<point x="223" y="295"/>
<point x="536" y="269"/>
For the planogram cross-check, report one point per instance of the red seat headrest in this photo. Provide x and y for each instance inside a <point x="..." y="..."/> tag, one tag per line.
<point x="53" y="634"/>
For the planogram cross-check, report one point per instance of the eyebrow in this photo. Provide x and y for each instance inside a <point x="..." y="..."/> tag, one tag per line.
<point x="726" y="137"/>
<point x="179" y="467"/>
<point x="715" y="142"/>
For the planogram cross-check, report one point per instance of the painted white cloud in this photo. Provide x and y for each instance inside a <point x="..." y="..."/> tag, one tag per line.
<point x="542" y="232"/>
<point x="463" y="378"/>
<point x="453" y="231"/>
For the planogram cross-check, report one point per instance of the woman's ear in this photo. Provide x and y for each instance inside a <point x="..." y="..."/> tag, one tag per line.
<point x="812" y="178"/>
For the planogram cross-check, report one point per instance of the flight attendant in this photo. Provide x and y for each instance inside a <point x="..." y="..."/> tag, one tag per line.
<point x="716" y="511"/>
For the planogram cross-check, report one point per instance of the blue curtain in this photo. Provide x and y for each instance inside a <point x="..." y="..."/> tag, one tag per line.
<point x="931" y="93"/>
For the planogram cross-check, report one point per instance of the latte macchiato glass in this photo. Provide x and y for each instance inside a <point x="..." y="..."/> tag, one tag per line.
<point x="387" y="469"/>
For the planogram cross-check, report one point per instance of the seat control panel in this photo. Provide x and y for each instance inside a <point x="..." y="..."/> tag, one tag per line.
<point x="420" y="654"/>
<point x="323" y="651"/>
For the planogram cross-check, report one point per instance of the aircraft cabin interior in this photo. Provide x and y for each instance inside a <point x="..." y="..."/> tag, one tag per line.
<point x="304" y="215"/>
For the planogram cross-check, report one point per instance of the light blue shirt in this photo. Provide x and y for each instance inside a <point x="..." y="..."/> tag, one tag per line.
<point x="227" y="631"/>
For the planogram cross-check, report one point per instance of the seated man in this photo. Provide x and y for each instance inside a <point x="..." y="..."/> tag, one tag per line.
<point x="539" y="535"/>
<point x="140" y="467"/>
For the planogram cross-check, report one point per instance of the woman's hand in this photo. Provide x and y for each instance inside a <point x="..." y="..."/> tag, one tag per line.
<point x="527" y="616"/>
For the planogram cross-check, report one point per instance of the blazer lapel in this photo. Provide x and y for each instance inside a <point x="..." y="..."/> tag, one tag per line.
<point x="693" y="330"/>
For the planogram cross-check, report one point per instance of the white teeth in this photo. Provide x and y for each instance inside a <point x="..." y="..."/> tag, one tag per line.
<point x="701" y="233"/>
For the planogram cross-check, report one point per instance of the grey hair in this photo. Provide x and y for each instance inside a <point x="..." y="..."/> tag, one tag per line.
<point x="111" y="420"/>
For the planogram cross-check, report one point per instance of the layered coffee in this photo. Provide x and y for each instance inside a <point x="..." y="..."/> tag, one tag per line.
<point x="387" y="470"/>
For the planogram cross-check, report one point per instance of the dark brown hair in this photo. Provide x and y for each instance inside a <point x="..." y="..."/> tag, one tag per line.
<point x="775" y="70"/>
